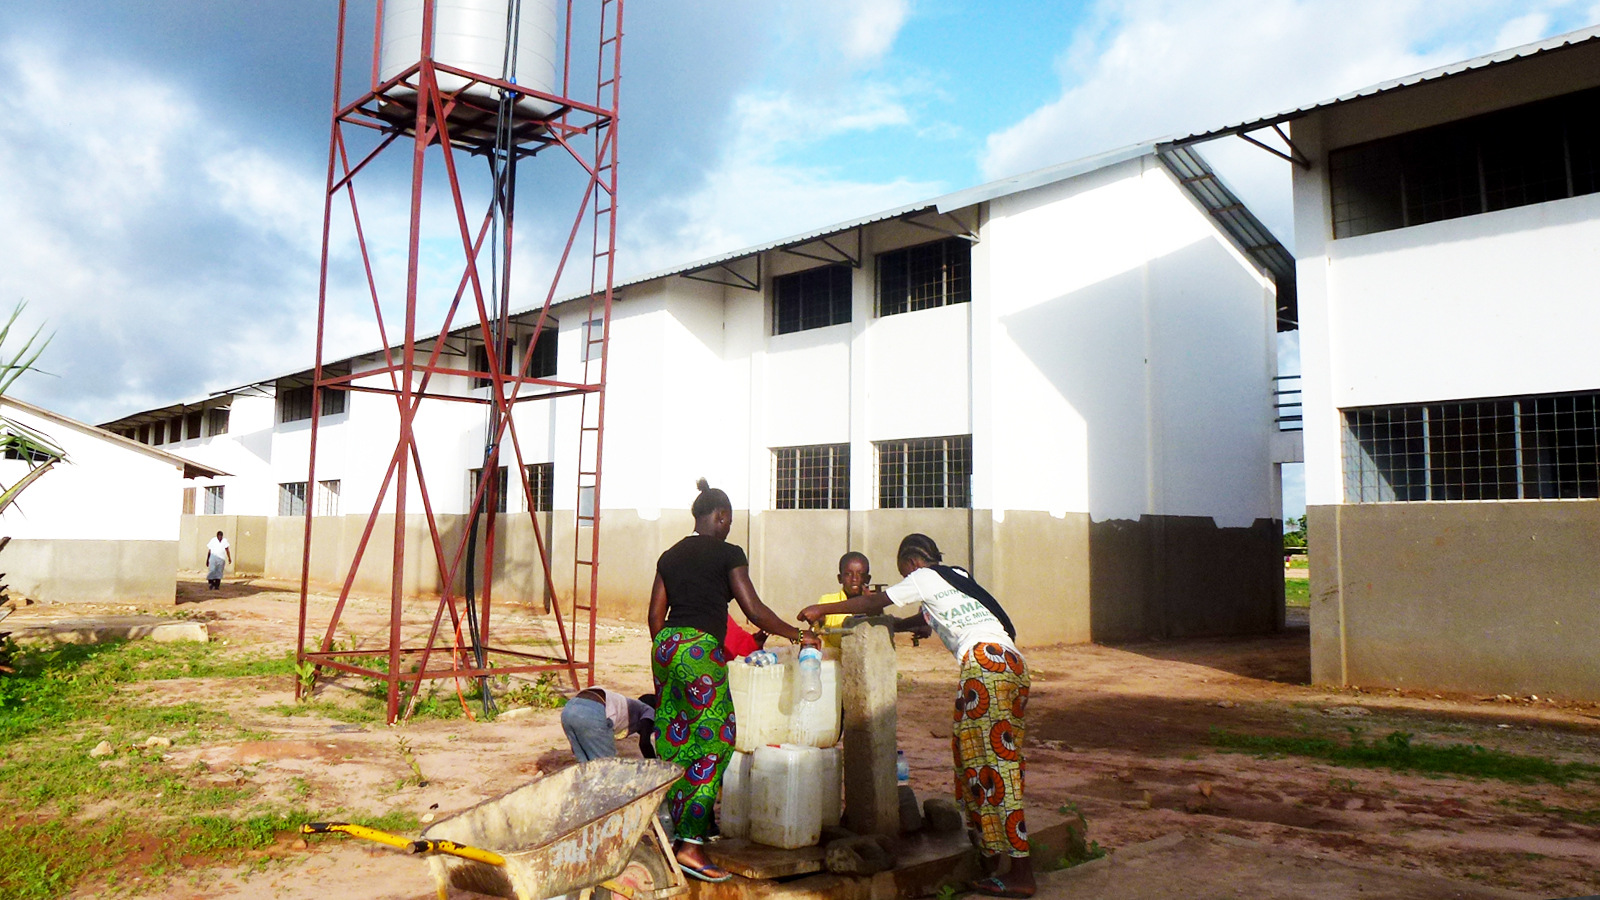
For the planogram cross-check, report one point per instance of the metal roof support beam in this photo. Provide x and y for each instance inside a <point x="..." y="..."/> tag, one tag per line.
<point x="966" y="232"/>
<point x="739" y="280"/>
<point x="843" y="257"/>
<point x="1294" y="155"/>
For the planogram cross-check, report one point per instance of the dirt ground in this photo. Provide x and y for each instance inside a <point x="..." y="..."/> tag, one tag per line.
<point x="1128" y="734"/>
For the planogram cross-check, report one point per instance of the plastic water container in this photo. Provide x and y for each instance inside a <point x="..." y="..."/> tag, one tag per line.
<point x="815" y="723"/>
<point x="832" y="786"/>
<point x="734" y="820"/>
<point x="902" y="769"/>
<point x="760" y="704"/>
<point x="785" y="799"/>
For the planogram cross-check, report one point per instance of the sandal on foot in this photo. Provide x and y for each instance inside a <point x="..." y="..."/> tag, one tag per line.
<point x="994" y="887"/>
<point x="704" y="873"/>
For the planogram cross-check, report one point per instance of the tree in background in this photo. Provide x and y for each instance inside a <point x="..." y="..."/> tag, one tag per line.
<point x="1295" y="538"/>
<point x="18" y="441"/>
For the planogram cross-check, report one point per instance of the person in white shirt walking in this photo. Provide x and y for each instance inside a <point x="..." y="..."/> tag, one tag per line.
<point x="218" y="554"/>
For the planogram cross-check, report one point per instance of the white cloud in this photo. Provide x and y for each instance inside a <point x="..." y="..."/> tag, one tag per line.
<point x="1143" y="69"/>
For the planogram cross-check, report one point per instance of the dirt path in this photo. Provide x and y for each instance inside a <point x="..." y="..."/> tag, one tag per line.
<point x="1128" y="734"/>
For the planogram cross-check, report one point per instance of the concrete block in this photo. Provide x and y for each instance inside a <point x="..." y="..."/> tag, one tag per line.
<point x="180" y="632"/>
<point x="942" y="816"/>
<point x="864" y="855"/>
<point x="910" y="810"/>
<point x="867" y="675"/>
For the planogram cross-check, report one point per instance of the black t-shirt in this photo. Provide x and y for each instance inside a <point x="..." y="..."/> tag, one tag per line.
<point x="695" y="572"/>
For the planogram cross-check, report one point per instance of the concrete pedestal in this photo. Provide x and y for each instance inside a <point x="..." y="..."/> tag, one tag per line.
<point x="867" y="675"/>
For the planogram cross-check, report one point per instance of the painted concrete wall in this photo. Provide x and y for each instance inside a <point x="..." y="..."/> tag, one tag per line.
<point x="102" y="527"/>
<point x="1114" y="363"/>
<point x="1461" y="596"/>
<point x="1490" y="597"/>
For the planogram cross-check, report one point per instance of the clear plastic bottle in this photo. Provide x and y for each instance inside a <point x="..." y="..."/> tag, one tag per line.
<point x="902" y="769"/>
<point x="762" y="658"/>
<point x="809" y="682"/>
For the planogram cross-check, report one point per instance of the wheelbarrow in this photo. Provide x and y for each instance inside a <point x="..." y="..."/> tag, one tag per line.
<point x="589" y="826"/>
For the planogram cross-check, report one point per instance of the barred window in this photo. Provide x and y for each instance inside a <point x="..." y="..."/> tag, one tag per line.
<point x="924" y="276"/>
<point x="294" y="404"/>
<point x="815" y="298"/>
<point x="1516" y="448"/>
<point x="333" y="400"/>
<point x="541" y="485"/>
<point x="1514" y="157"/>
<point x="328" y="497"/>
<point x="217" y="421"/>
<point x="925" y="473"/>
<point x="213" y="503"/>
<point x="543" y="363"/>
<point x="292" y="498"/>
<point x="474" y="476"/>
<point x="480" y="362"/>
<point x="814" y="477"/>
<point x="191" y="425"/>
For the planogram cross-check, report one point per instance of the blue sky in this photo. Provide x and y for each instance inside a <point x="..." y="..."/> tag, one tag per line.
<point x="161" y="161"/>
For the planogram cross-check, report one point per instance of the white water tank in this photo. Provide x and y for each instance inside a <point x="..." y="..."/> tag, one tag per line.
<point x="471" y="35"/>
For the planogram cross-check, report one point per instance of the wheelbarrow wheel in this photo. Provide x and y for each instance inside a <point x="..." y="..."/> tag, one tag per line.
<point x="647" y="873"/>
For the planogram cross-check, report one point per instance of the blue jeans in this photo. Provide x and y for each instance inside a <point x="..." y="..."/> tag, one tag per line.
<point x="588" y="730"/>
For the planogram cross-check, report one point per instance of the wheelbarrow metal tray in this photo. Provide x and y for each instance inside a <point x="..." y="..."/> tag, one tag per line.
<point x="569" y="830"/>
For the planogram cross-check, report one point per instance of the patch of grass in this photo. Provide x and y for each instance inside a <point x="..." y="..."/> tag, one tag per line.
<point x="1297" y="592"/>
<point x="1577" y="816"/>
<point x="44" y="860"/>
<point x="1396" y="751"/>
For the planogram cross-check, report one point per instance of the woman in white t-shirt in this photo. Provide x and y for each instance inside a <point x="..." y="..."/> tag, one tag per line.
<point x="992" y="695"/>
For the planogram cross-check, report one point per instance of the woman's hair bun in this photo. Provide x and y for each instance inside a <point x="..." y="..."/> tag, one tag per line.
<point x="703" y="484"/>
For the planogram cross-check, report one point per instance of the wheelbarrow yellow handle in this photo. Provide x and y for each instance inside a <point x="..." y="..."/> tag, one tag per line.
<point x="452" y="848"/>
<point x="360" y="831"/>
<point x="462" y="850"/>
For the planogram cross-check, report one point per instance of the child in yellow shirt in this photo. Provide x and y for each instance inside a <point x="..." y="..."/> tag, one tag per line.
<point x="855" y="573"/>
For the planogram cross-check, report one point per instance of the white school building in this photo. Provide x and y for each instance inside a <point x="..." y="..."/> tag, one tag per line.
<point x="1448" y="232"/>
<point x="1065" y="377"/>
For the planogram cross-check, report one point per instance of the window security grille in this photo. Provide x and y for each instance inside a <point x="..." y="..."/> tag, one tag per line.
<point x="292" y="498"/>
<point x="925" y="276"/>
<point x="814" y="477"/>
<point x="474" y="476"/>
<point x="213" y="503"/>
<point x="543" y="363"/>
<point x="1527" y="154"/>
<point x="925" y="473"/>
<point x="328" y="498"/>
<point x="217" y="421"/>
<point x="175" y="430"/>
<point x="815" y="298"/>
<point x="294" y="404"/>
<point x="191" y="425"/>
<point x="333" y="401"/>
<point x="1518" y="448"/>
<point x="541" y="484"/>
<point x="158" y="433"/>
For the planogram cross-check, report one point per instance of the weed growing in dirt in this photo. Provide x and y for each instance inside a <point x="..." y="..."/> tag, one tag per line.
<point x="1396" y="751"/>
<point x="1589" y="816"/>
<point x="544" y="693"/>
<point x="1079" y="849"/>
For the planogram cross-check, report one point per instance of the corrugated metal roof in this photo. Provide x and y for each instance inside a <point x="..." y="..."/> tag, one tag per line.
<point x="1248" y="233"/>
<point x="1499" y="57"/>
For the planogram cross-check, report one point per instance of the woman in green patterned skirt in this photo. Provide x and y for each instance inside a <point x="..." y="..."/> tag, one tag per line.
<point x="695" y="579"/>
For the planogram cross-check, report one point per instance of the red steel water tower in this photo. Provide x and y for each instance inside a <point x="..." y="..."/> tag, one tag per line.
<point x="452" y="80"/>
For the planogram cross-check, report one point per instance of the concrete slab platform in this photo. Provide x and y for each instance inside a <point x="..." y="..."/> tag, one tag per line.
<point x="101" y="629"/>
<point x="758" y="861"/>
<point x="1187" y="866"/>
